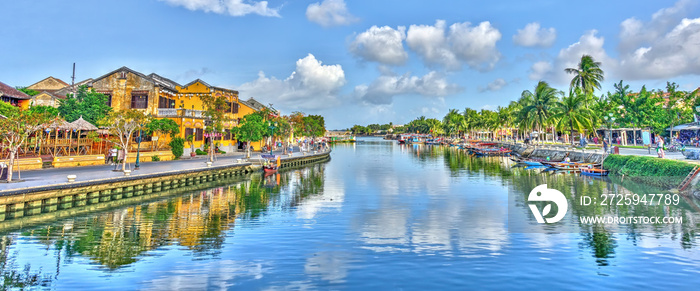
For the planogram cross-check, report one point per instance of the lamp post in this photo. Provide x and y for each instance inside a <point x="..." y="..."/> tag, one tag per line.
<point x="272" y="127"/>
<point x="609" y="119"/>
<point x="138" y="151"/>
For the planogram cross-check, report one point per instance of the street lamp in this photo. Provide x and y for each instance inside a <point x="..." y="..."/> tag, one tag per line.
<point x="609" y="120"/>
<point x="138" y="151"/>
<point x="272" y="127"/>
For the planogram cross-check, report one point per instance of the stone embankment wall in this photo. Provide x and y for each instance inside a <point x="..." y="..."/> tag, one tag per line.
<point x="555" y="153"/>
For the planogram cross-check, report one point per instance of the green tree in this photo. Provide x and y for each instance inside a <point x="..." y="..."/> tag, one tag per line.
<point x="452" y="122"/>
<point x="17" y="126"/>
<point x="587" y="76"/>
<point x="250" y="129"/>
<point x="29" y="92"/>
<point x="7" y="109"/>
<point x="571" y="112"/>
<point x="92" y="106"/>
<point x="43" y="109"/>
<point x="537" y="106"/>
<point x="122" y="124"/>
<point x="161" y="127"/>
<point x="177" y="145"/>
<point x="215" y="108"/>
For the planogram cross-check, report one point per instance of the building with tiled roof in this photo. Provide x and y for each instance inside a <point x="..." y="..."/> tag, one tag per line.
<point x="13" y="96"/>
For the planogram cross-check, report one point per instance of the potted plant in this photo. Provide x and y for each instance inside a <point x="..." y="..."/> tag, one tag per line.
<point x="190" y="140"/>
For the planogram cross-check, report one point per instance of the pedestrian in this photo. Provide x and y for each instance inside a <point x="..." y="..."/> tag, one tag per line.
<point x="605" y="146"/>
<point x="112" y="156"/>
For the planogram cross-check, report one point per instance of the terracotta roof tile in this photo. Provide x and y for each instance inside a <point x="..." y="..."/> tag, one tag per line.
<point x="7" y="90"/>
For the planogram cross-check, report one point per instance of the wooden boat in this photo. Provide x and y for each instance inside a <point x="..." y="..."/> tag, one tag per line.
<point x="593" y="171"/>
<point x="491" y="152"/>
<point x="532" y="163"/>
<point x="270" y="163"/>
<point x="567" y="166"/>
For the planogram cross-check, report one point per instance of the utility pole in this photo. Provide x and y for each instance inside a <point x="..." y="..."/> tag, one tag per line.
<point x="72" y="82"/>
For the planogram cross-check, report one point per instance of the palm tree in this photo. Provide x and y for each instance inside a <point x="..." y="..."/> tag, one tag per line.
<point x="452" y="122"/>
<point x="471" y="119"/>
<point x="571" y="111"/>
<point x="538" y="106"/>
<point x="587" y="76"/>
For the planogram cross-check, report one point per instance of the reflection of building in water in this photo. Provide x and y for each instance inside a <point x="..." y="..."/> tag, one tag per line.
<point x="198" y="221"/>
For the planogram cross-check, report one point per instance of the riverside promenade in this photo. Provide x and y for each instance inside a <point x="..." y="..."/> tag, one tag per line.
<point x="105" y="173"/>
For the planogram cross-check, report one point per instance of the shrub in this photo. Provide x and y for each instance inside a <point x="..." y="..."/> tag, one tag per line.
<point x="177" y="145"/>
<point x="222" y="152"/>
<point x="654" y="171"/>
<point x="200" y="152"/>
<point x="155" y="158"/>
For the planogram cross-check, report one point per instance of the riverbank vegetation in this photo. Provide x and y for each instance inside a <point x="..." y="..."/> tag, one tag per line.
<point x="649" y="170"/>
<point x="551" y="113"/>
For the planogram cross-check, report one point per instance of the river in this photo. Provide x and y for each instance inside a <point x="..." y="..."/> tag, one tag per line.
<point x="377" y="216"/>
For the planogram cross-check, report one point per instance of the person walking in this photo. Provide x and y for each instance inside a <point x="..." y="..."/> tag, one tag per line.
<point x="605" y="146"/>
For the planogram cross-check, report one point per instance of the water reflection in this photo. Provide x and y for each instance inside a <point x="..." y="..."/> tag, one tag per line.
<point x="197" y="222"/>
<point x="377" y="215"/>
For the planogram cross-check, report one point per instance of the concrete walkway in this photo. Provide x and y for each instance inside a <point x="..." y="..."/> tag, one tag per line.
<point x="52" y="176"/>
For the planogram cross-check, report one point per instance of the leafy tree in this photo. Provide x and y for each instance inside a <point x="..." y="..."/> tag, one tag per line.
<point x="51" y="111"/>
<point x="587" y="76"/>
<point x="17" y="126"/>
<point x="215" y="108"/>
<point x="452" y="122"/>
<point x="29" y="92"/>
<point x="7" y="109"/>
<point x="92" y="106"/>
<point x="123" y="124"/>
<point x="250" y="129"/>
<point x="571" y="111"/>
<point x="296" y="119"/>
<point x="160" y="127"/>
<point x="313" y="127"/>
<point x="177" y="145"/>
<point x="538" y="106"/>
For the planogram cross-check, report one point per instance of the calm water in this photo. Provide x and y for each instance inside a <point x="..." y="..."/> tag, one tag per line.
<point x="377" y="216"/>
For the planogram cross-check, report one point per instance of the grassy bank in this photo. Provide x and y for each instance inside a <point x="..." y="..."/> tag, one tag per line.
<point x="650" y="170"/>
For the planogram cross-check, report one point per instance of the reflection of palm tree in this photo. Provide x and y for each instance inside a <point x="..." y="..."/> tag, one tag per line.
<point x="601" y="243"/>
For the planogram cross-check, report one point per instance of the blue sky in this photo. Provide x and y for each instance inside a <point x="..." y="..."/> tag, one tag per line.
<point x="356" y="62"/>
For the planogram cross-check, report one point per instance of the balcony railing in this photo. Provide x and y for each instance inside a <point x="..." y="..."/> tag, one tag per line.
<point x="167" y="112"/>
<point x="176" y="112"/>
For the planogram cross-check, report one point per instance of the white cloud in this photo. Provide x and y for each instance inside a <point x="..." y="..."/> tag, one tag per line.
<point x="462" y="44"/>
<point x="535" y="36"/>
<point x="665" y="47"/>
<point x="634" y="33"/>
<point x="381" y="44"/>
<point x="230" y="7"/>
<point x="385" y="87"/>
<point x="496" y="85"/>
<point x="539" y="70"/>
<point x="330" y="13"/>
<point x="311" y="86"/>
<point x="588" y="44"/>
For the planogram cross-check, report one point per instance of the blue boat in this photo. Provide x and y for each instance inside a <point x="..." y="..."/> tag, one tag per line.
<point x="530" y="163"/>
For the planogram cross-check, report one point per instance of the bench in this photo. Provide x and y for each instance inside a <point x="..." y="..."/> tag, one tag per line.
<point x="78" y="161"/>
<point x="25" y="164"/>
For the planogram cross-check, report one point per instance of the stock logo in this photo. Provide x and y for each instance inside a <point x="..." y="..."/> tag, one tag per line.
<point x="542" y="194"/>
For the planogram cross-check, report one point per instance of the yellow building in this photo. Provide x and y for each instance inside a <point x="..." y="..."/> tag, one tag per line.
<point x="161" y="97"/>
<point x="189" y="114"/>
